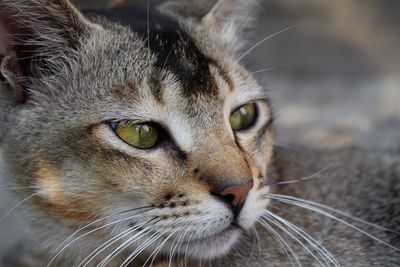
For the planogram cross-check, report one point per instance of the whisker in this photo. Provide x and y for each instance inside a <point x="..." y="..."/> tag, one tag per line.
<point x="18" y="205"/>
<point x="263" y="70"/>
<point x="182" y="255"/>
<point x="241" y="25"/>
<point x="314" y="243"/>
<point x="303" y="179"/>
<point x="290" y="234"/>
<point x="281" y="242"/>
<point x="99" y="220"/>
<point x="88" y="233"/>
<point x="18" y="34"/>
<point x="122" y="247"/>
<point x="258" y="240"/>
<point x="170" y="255"/>
<point x="82" y="228"/>
<point x="175" y="247"/>
<point x="186" y="249"/>
<point x="182" y="236"/>
<point x="143" y="246"/>
<point x="127" y="243"/>
<point x="255" y="243"/>
<point x="269" y="37"/>
<point x="17" y="188"/>
<point x="108" y="243"/>
<point x="158" y="248"/>
<point x="88" y="259"/>
<point x="304" y="205"/>
<point x="344" y="214"/>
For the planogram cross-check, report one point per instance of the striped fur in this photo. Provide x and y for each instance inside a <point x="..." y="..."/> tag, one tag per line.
<point x="76" y="73"/>
<point x="91" y="199"/>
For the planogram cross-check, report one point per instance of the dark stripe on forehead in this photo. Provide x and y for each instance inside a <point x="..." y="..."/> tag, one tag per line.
<point x="175" y="49"/>
<point x="156" y="88"/>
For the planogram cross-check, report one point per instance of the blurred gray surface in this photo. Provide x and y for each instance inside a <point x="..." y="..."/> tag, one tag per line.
<point x="336" y="79"/>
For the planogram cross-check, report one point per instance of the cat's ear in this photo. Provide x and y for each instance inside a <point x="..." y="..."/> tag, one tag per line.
<point x="230" y="18"/>
<point x="36" y="37"/>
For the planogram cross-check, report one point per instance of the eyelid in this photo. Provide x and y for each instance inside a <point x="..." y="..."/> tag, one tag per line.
<point x="255" y="101"/>
<point x="126" y="122"/>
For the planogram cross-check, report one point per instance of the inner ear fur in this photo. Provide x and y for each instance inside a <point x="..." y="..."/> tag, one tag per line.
<point x="36" y="36"/>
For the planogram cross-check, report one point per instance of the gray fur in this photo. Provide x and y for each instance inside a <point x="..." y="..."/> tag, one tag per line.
<point x="81" y="74"/>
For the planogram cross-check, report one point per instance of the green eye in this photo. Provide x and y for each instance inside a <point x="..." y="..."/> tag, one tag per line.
<point x="243" y="117"/>
<point x="143" y="135"/>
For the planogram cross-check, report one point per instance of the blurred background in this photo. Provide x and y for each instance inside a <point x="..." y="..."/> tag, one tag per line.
<point x="334" y="80"/>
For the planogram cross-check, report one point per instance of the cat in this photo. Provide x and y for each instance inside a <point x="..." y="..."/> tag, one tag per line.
<point x="137" y="138"/>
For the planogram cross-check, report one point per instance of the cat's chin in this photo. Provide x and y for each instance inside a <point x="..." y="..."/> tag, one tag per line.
<point x="214" y="246"/>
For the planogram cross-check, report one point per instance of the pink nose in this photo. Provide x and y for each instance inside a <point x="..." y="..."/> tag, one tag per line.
<point x="236" y="195"/>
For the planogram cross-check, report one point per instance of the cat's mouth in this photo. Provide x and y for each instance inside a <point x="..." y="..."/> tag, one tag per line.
<point x="210" y="230"/>
<point x="234" y="227"/>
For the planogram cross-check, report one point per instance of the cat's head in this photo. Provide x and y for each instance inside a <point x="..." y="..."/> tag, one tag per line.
<point x="154" y="125"/>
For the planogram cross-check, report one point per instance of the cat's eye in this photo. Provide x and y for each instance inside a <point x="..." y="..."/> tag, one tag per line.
<point x="243" y="117"/>
<point x="140" y="135"/>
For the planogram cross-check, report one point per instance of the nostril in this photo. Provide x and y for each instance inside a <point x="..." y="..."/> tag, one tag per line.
<point x="229" y="198"/>
<point x="235" y="195"/>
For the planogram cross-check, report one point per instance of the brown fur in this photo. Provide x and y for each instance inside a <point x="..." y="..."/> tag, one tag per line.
<point x="81" y="74"/>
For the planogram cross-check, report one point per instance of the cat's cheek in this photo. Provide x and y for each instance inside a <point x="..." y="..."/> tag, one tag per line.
<point x="50" y="187"/>
<point x="52" y="197"/>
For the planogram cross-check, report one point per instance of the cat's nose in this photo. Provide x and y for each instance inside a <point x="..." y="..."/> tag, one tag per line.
<point x="236" y="195"/>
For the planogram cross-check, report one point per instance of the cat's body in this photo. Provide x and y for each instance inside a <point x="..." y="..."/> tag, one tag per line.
<point x="76" y="86"/>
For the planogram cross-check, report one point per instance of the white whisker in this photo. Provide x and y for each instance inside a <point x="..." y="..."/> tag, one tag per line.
<point x="123" y="246"/>
<point x="18" y="205"/>
<point x="241" y="25"/>
<point x="269" y="37"/>
<point x="158" y="248"/>
<point x="282" y="243"/>
<point x="88" y="233"/>
<point x="110" y="242"/>
<point x="143" y="246"/>
<point x="256" y="242"/>
<point x="312" y="203"/>
<point x="175" y="247"/>
<point x="262" y="70"/>
<point x="290" y="234"/>
<point x="304" y="178"/>
<point x="17" y="188"/>
<point x="314" y="243"/>
<point x="186" y="249"/>
<point x="80" y="229"/>
<point x="322" y="212"/>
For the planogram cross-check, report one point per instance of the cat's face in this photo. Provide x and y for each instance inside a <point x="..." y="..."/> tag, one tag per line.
<point x="148" y="136"/>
